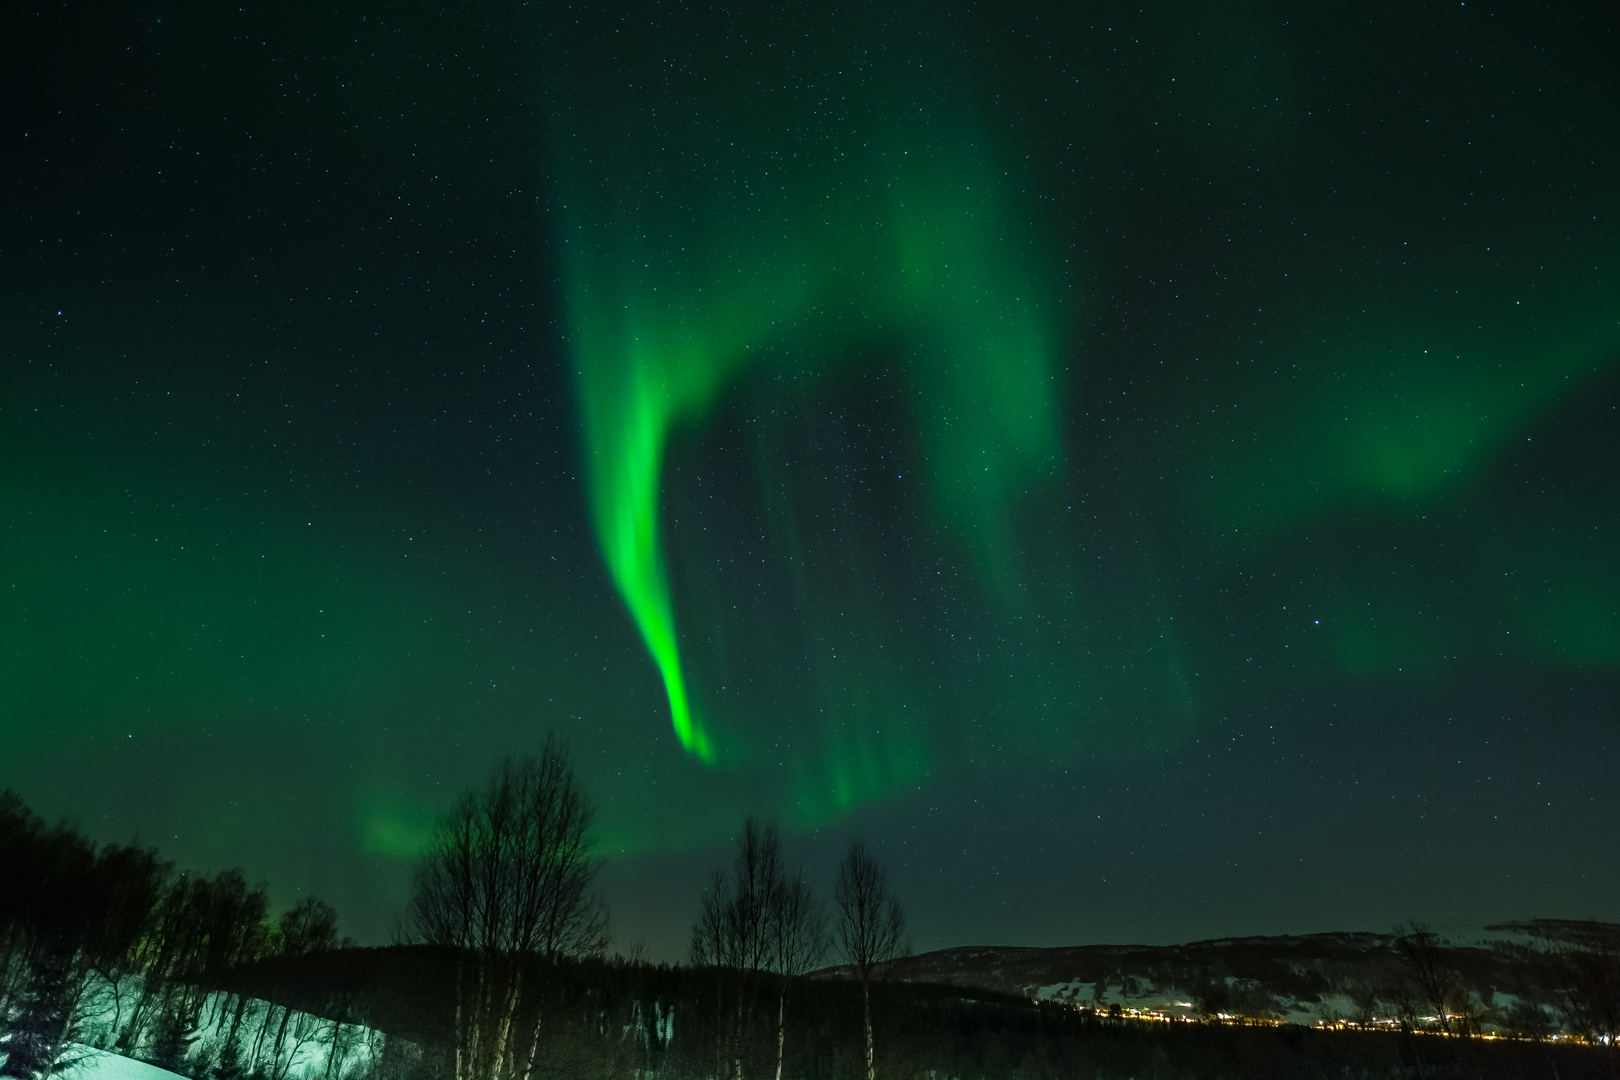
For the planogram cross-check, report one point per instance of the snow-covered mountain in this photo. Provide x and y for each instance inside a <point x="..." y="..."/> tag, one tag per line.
<point x="1301" y="979"/>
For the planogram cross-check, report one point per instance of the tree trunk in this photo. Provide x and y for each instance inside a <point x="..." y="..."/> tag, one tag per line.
<point x="719" y="1026"/>
<point x="300" y="1037"/>
<point x="118" y="1004"/>
<point x="258" y="1040"/>
<point x="737" y="1037"/>
<point x="130" y="1036"/>
<point x="475" y="1023"/>
<point x="236" y="1018"/>
<point x="781" y="1027"/>
<point x="866" y="1009"/>
<point x="534" y="1045"/>
<point x="508" y="1013"/>
<point x="281" y="1039"/>
<point x="332" y="1051"/>
<point x="460" y="1034"/>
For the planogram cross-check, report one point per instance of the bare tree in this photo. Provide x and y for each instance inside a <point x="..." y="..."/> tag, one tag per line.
<point x="734" y="930"/>
<point x="508" y="877"/>
<point x="89" y="923"/>
<point x="1364" y="997"/>
<point x="69" y="920"/>
<point x="308" y="927"/>
<point x="1573" y="967"/>
<point x="710" y="942"/>
<point x="756" y="876"/>
<point x="1437" y="985"/>
<point x="871" y="927"/>
<point x="712" y="948"/>
<point x="797" y="942"/>
<point x="133" y="881"/>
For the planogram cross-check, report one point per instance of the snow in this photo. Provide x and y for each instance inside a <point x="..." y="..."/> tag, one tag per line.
<point x="302" y="1055"/>
<point x="101" y="1065"/>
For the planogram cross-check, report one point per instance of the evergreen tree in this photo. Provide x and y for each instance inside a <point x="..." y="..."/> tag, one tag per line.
<point x="173" y="1040"/>
<point x="229" y="1065"/>
<point x="35" y="1041"/>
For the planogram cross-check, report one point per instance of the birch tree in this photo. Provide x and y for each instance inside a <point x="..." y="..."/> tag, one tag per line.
<point x="507" y="879"/>
<point x="734" y="933"/>
<point x="871" y="928"/>
<point x="797" y="942"/>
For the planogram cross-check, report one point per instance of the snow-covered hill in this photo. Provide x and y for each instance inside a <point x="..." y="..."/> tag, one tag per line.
<point x="1301" y="979"/>
<point x="92" y="1064"/>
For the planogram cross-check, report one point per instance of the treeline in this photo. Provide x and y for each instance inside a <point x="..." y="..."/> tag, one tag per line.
<point x="613" y="1018"/>
<point x="501" y="972"/>
<point x="506" y="884"/>
<point x="114" y="948"/>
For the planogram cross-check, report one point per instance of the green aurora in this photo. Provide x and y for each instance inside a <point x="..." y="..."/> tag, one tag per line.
<point x="740" y="221"/>
<point x="1004" y="428"/>
<point x="796" y="228"/>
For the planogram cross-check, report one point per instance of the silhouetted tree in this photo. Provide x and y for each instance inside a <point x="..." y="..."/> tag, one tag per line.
<point x="132" y="882"/>
<point x="508" y="875"/>
<point x="240" y="933"/>
<point x="734" y="932"/>
<point x="1572" y="968"/>
<point x="756" y="878"/>
<point x="19" y="840"/>
<point x="871" y="927"/>
<point x="1432" y="979"/>
<point x="1363" y="995"/>
<point x="79" y="927"/>
<point x="797" y="932"/>
<point x="51" y="905"/>
<point x="37" y="1038"/>
<point x="309" y="927"/>
<point x="712" y="948"/>
<point x="173" y="1038"/>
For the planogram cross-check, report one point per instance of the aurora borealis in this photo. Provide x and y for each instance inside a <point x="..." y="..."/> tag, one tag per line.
<point x="1095" y="454"/>
<point x="797" y="211"/>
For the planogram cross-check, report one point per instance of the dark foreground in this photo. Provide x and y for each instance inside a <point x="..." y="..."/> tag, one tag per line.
<point x="617" y="1019"/>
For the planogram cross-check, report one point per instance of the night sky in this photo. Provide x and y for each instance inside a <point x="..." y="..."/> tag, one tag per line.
<point x="1151" y="471"/>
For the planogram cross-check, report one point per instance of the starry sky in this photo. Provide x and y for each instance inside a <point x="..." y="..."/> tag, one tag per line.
<point x="1149" y="470"/>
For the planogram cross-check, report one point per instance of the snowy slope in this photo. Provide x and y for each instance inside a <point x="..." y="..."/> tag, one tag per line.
<point x="101" y="1065"/>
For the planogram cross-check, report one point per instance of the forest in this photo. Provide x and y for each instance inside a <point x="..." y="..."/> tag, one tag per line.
<point x="503" y="969"/>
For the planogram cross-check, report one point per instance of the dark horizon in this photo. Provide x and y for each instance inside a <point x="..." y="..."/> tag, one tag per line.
<point x="1147" y="471"/>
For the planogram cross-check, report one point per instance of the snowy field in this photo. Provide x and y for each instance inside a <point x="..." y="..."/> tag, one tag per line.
<point x="285" y="1044"/>
<point x="92" y="1064"/>
<point x="102" y="1065"/>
